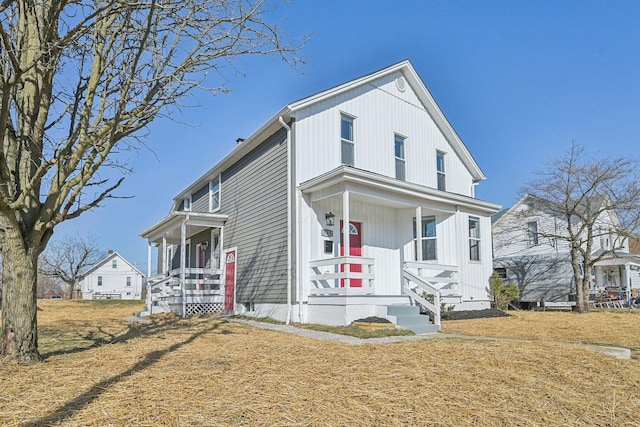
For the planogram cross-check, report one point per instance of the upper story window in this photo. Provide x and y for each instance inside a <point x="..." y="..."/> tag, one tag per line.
<point x="427" y="239"/>
<point x="186" y="204"/>
<point x="532" y="233"/>
<point x="99" y="280"/>
<point x="400" y="159"/>
<point x="114" y="263"/>
<point x="441" y="173"/>
<point x="214" y="194"/>
<point x="347" y="141"/>
<point x="474" y="239"/>
<point x="128" y="280"/>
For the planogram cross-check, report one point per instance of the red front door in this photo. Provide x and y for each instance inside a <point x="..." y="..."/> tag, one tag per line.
<point x="355" y="249"/>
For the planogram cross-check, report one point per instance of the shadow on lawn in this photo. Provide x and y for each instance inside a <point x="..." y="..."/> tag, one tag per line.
<point x="77" y="404"/>
<point x="86" y="340"/>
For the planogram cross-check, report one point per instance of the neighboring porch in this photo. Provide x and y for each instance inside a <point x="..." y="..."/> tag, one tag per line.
<point x="189" y="264"/>
<point x="618" y="275"/>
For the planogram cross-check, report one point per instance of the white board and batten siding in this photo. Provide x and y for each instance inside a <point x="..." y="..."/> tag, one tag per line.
<point x="380" y="111"/>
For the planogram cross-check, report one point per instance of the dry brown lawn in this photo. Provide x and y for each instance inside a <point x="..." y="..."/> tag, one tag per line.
<point x="101" y="370"/>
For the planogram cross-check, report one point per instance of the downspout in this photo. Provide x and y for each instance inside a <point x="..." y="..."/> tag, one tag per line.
<point x="289" y="237"/>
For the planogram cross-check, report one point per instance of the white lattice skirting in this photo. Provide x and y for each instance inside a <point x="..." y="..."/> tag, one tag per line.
<point x="204" y="308"/>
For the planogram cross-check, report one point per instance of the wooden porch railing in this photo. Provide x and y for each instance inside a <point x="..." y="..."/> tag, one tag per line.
<point x="422" y="279"/>
<point x="328" y="279"/>
<point x="198" y="282"/>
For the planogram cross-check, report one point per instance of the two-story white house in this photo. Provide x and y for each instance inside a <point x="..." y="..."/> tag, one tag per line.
<point x="530" y="249"/>
<point x="263" y="231"/>
<point x="112" y="278"/>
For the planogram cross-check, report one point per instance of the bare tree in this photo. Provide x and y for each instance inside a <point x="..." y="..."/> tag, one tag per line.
<point x="580" y="191"/>
<point x="79" y="82"/>
<point x="68" y="258"/>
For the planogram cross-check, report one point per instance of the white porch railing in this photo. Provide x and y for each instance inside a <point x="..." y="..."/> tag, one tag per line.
<point x="329" y="278"/>
<point x="200" y="284"/>
<point x="421" y="279"/>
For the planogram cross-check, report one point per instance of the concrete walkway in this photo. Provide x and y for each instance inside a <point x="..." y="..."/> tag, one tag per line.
<point x="619" y="352"/>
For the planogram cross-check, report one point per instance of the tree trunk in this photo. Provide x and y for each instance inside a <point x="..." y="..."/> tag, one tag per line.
<point x="19" y="335"/>
<point x="582" y="301"/>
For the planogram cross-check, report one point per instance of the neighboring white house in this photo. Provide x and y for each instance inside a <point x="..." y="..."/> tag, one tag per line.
<point x="112" y="278"/>
<point x="524" y="253"/>
<point x="263" y="229"/>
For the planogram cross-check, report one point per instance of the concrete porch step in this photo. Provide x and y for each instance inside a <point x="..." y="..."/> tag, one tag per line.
<point x="409" y="317"/>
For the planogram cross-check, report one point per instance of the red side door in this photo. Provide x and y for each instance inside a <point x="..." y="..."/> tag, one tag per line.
<point x="355" y="249"/>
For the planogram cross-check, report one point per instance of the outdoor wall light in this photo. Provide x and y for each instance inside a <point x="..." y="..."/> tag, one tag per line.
<point x="329" y="218"/>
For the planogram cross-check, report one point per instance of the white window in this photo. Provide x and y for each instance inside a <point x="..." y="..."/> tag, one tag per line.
<point x="400" y="159"/>
<point x="114" y="263"/>
<point x="347" y="141"/>
<point x="427" y="238"/>
<point x="474" y="239"/>
<point x="532" y="233"/>
<point x="441" y="174"/>
<point x="214" y="195"/>
<point x="128" y="280"/>
<point x="186" y="204"/>
<point x="99" y="280"/>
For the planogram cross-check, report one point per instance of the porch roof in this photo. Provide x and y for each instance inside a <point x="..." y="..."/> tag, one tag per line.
<point x="393" y="191"/>
<point x="619" y="258"/>
<point x="169" y="226"/>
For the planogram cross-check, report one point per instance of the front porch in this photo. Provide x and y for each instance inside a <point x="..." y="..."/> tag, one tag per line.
<point x="374" y="244"/>
<point x="347" y="293"/>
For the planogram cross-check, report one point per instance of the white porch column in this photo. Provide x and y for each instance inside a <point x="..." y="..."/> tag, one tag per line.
<point x="183" y="260"/>
<point x="148" y="259"/>
<point x="419" y="233"/>
<point x="345" y="235"/>
<point x="627" y="280"/>
<point x="166" y="263"/>
<point x="221" y="250"/>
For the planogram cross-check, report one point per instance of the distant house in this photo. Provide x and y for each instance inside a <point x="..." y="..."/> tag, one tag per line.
<point x="112" y="278"/>
<point x="541" y="266"/>
<point x="263" y="231"/>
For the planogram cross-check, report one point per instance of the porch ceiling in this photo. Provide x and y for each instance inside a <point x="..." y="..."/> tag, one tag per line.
<point x="387" y="191"/>
<point x="169" y="227"/>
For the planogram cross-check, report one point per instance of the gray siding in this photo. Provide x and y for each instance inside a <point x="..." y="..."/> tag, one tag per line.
<point x="200" y="199"/>
<point x="254" y="195"/>
<point x="540" y="278"/>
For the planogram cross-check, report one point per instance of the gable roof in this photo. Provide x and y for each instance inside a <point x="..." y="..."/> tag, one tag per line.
<point x="104" y="261"/>
<point x="589" y="202"/>
<point x="288" y="112"/>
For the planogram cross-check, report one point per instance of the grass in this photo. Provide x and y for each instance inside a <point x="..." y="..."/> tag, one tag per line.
<point x="102" y="369"/>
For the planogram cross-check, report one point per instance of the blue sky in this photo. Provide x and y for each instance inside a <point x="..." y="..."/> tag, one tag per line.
<point x="518" y="80"/>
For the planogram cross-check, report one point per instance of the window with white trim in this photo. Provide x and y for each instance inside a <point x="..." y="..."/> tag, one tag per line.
<point x="186" y="204"/>
<point x="346" y="140"/>
<point x="128" y="280"/>
<point x="474" y="239"/>
<point x="114" y="263"/>
<point x="427" y="239"/>
<point x="399" y="157"/>
<point x="532" y="233"/>
<point x="99" y="280"/>
<point x="214" y="194"/>
<point x="442" y="182"/>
